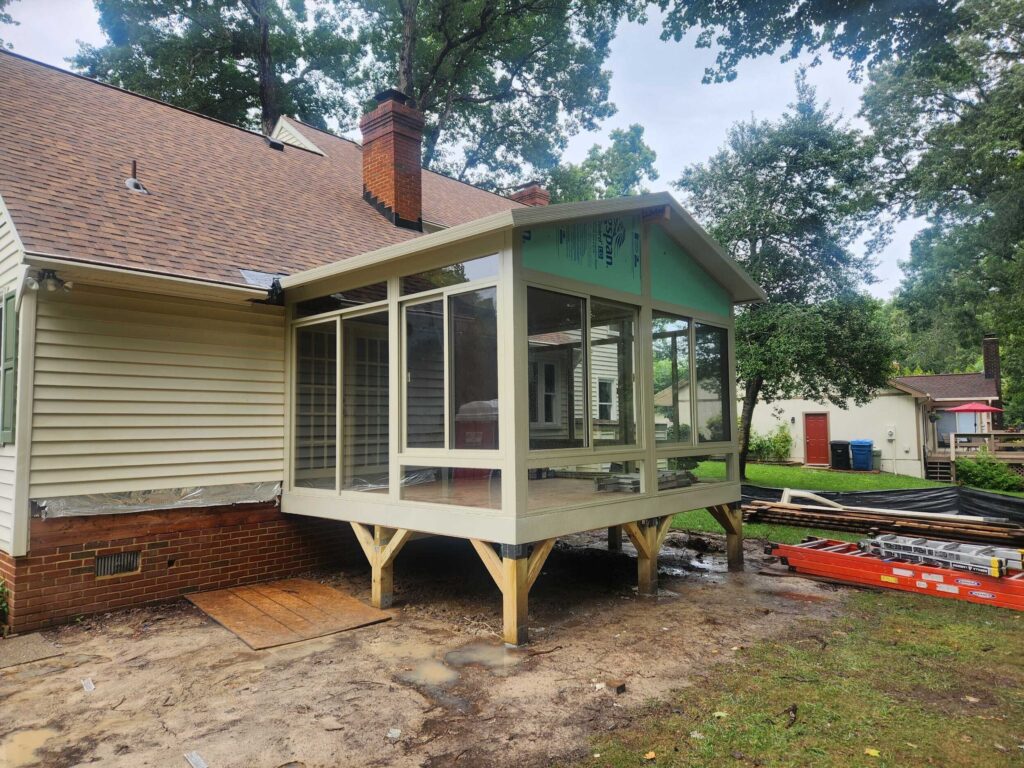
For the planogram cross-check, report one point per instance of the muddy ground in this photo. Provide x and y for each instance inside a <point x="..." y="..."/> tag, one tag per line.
<point x="432" y="687"/>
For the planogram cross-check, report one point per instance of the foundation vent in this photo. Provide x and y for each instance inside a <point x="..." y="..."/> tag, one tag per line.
<point x="119" y="562"/>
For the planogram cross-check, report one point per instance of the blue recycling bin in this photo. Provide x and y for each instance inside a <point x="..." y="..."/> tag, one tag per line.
<point x="860" y="451"/>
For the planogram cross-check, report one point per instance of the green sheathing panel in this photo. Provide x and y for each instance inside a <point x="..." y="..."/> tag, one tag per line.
<point x="678" y="279"/>
<point x="603" y="252"/>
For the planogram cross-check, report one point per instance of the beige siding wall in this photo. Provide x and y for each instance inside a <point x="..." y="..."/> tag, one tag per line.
<point x="139" y="392"/>
<point x="888" y="410"/>
<point x="10" y="259"/>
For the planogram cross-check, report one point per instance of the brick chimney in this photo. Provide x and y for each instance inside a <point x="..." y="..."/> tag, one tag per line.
<point x="991" y="366"/>
<point x="531" y="193"/>
<point x="392" y="159"/>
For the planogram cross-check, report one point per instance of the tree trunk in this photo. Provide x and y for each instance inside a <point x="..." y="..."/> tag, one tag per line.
<point x="269" y="108"/>
<point x="407" y="50"/>
<point x="752" y="391"/>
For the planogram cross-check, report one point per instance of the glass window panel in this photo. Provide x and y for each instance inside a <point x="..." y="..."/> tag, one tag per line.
<point x="457" y="486"/>
<point x="671" y="346"/>
<point x="473" y="325"/>
<point x="476" y="269"/>
<point x="424" y="361"/>
<point x="353" y="297"/>
<point x="557" y="369"/>
<point x="689" y="471"/>
<point x="365" y="391"/>
<point x="714" y="416"/>
<point x="316" y="422"/>
<point x="612" y="361"/>
<point x="556" y="487"/>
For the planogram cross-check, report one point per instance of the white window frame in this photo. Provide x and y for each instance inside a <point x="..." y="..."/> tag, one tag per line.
<point x="610" y="402"/>
<point x="536" y="367"/>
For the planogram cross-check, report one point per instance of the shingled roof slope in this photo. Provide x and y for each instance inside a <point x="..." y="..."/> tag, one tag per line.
<point x="952" y="386"/>
<point x="221" y="199"/>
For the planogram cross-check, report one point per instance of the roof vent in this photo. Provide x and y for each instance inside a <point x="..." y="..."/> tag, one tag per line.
<point x="133" y="183"/>
<point x="275" y="144"/>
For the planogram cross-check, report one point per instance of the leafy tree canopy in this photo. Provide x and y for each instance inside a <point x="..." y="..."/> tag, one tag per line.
<point x="615" y="171"/>
<point x="865" y="32"/>
<point x="951" y="129"/>
<point x="502" y="82"/>
<point x="246" y="62"/>
<point x="788" y="199"/>
<point x="5" y="18"/>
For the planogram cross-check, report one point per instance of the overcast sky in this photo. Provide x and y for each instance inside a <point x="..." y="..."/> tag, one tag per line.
<point x="654" y="83"/>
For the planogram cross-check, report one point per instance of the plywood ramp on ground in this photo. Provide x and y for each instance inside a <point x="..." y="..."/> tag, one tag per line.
<point x="281" y="612"/>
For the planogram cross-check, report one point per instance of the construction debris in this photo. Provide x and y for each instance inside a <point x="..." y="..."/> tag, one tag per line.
<point x="617" y="686"/>
<point x="835" y="517"/>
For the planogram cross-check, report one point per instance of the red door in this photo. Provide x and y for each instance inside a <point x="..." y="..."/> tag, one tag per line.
<point x="816" y="438"/>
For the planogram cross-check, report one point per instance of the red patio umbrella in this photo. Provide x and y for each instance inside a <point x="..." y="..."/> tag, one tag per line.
<point x="974" y="408"/>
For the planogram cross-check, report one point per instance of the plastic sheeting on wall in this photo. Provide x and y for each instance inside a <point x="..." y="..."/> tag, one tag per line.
<point x="152" y="501"/>
<point x="945" y="500"/>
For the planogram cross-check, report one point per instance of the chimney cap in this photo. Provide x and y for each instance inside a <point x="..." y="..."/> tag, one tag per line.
<point x="393" y="94"/>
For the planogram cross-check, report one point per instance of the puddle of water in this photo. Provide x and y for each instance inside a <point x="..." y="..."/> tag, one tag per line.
<point x="20" y="747"/>
<point x="430" y="673"/>
<point x="493" y="657"/>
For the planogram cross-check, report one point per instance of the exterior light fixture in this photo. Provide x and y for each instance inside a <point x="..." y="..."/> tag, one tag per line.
<point x="49" y="280"/>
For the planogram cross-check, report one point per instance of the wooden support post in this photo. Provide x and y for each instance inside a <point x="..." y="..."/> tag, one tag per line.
<point x="381" y="548"/>
<point x="514" y="600"/>
<point x="615" y="538"/>
<point x="647" y="536"/>
<point x="515" y="577"/>
<point x="731" y="519"/>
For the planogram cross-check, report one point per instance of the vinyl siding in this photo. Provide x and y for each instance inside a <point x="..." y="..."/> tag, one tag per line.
<point x="286" y="132"/>
<point x="10" y="259"/>
<point x="137" y="392"/>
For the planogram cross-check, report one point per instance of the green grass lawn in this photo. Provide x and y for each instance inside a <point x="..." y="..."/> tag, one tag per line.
<point x="776" y="476"/>
<point x="899" y="680"/>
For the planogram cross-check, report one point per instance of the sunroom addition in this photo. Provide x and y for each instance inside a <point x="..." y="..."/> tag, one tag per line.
<point x="540" y="372"/>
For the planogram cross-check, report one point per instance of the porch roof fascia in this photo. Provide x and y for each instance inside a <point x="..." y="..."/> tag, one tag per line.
<point x="683" y="228"/>
<point x="77" y="270"/>
<point x="917" y="393"/>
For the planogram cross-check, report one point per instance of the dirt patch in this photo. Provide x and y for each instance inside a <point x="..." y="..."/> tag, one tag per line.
<point x="433" y="687"/>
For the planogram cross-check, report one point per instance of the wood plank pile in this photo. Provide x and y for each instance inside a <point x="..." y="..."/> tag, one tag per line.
<point x="875" y="521"/>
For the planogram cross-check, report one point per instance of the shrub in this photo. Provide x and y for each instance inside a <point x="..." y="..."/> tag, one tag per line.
<point x="775" y="446"/>
<point x="986" y="472"/>
<point x="4" y="607"/>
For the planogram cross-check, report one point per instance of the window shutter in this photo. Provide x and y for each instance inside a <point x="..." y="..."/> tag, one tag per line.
<point x="9" y="376"/>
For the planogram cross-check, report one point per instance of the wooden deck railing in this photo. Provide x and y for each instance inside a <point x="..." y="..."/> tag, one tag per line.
<point x="1004" y="446"/>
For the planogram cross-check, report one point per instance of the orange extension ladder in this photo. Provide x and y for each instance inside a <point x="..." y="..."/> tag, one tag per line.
<point x="847" y="562"/>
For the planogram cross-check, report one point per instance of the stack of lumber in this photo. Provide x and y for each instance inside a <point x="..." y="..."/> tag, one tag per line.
<point x="986" y="530"/>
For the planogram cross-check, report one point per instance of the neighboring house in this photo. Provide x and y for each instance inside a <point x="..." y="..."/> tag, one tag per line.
<point x="908" y="421"/>
<point x="218" y="347"/>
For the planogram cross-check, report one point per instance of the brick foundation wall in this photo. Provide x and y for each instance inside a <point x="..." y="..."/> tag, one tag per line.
<point x="181" y="551"/>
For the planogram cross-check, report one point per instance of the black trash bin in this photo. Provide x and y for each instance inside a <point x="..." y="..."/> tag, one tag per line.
<point x="840" y="451"/>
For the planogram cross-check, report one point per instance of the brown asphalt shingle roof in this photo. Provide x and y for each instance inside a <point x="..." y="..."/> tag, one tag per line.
<point x="952" y="386"/>
<point x="221" y="200"/>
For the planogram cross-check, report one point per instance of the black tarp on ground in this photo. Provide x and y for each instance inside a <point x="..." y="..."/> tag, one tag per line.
<point x="949" y="500"/>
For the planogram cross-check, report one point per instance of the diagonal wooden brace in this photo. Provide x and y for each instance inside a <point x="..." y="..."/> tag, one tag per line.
<point x="731" y="519"/>
<point x="647" y="536"/>
<point x="514" y="576"/>
<point x="381" y="547"/>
